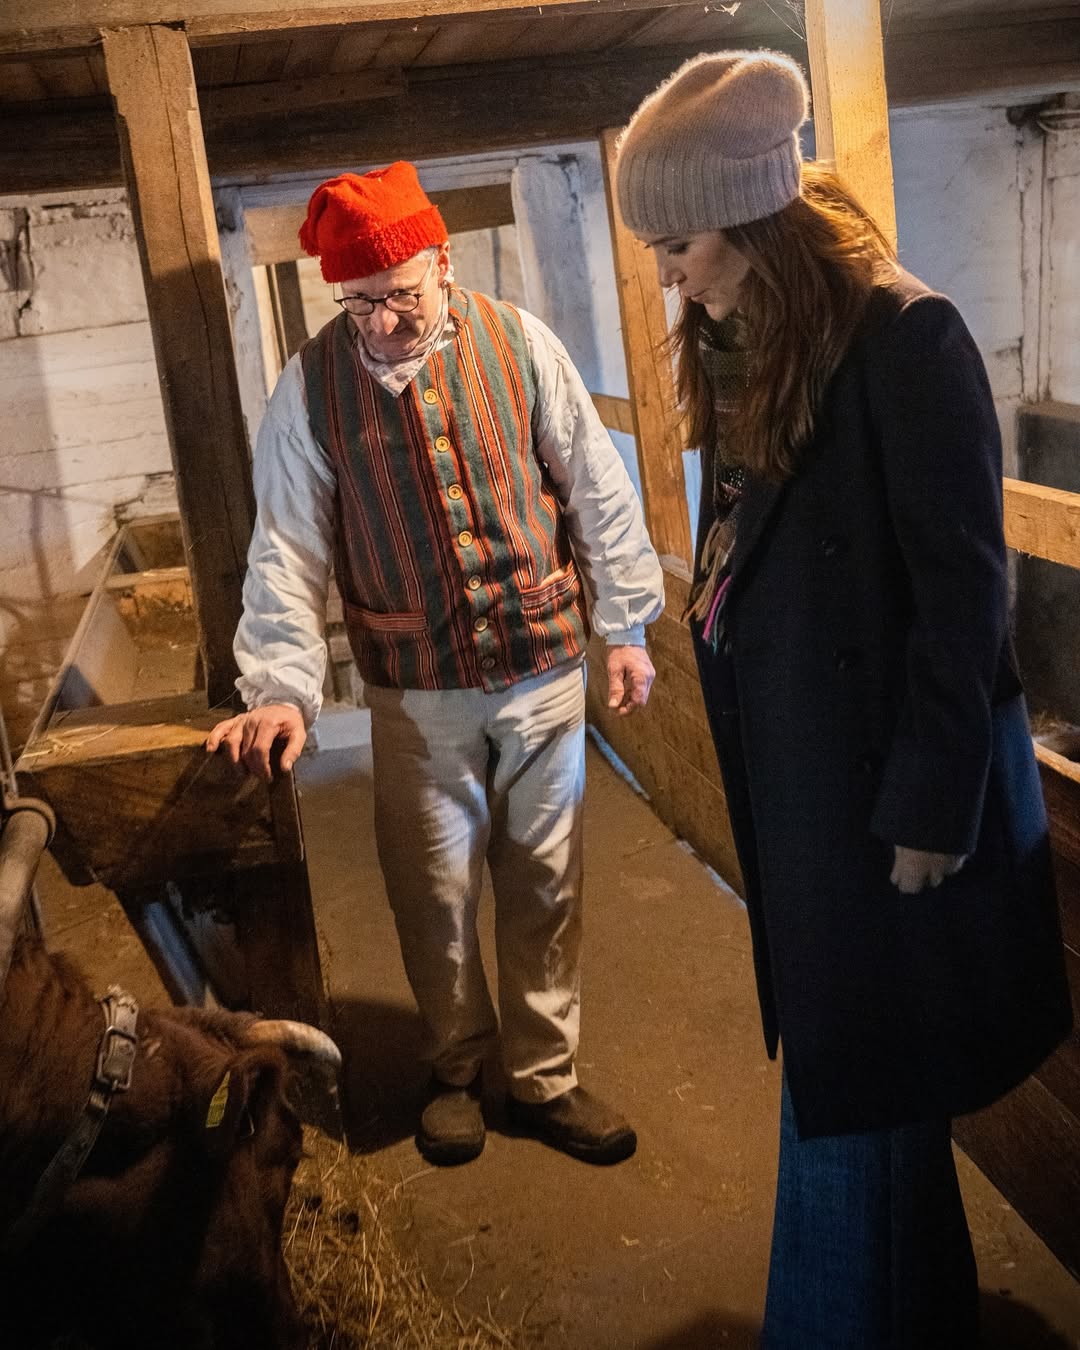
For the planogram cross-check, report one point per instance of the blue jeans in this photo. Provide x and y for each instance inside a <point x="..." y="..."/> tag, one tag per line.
<point x="870" y="1249"/>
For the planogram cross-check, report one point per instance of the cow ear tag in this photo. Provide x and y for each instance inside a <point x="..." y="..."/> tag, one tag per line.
<point x="218" y="1103"/>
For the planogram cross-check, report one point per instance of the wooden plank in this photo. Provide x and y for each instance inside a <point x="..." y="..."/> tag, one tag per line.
<point x="648" y="374"/>
<point x="288" y="307"/>
<point x="851" y="115"/>
<point x="1043" y="521"/>
<point x="1012" y="1142"/>
<point x="262" y="61"/>
<point x="182" y="812"/>
<point x="275" y="928"/>
<point x="85" y="624"/>
<point x="21" y="83"/>
<point x="309" y="54"/>
<point x="617" y="414"/>
<point x="448" y="111"/>
<point x="474" y="109"/>
<point x="282" y="96"/>
<point x="104" y="669"/>
<point x="273" y="230"/>
<point x="168" y="185"/>
<point x="27" y="26"/>
<point x="1061" y="791"/>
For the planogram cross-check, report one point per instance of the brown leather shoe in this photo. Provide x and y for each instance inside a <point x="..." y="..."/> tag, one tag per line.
<point x="577" y="1123"/>
<point x="452" y="1125"/>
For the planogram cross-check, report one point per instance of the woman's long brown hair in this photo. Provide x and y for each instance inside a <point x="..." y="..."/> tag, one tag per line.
<point x="813" y="266"/>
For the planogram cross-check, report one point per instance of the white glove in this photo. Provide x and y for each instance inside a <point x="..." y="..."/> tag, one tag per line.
<point x="913" y="869"/>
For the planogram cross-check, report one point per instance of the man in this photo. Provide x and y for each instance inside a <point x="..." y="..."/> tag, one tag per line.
<point x="440" y="450"/>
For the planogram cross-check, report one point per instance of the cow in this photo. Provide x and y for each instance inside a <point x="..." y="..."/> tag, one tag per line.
<point x="170" y="1235"/>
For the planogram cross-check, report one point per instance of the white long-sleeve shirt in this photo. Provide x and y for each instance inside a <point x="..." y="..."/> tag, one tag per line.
<point x="280" y="645"/>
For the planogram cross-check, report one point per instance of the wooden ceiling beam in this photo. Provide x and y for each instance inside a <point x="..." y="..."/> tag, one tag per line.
<point x="444" y="113"/>
<point x="449" y="110"/>
<point x="52" y="25"/>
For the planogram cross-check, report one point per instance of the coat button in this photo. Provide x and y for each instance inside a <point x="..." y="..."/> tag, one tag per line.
<point x="430" y="396"/>
<point x="464" y="538"/>
<point x="454" y="492"/>
<point x="833" y="544"/>
<point x="441" y="442"/>
<point x="846" y="658"/>
<point x="488" y="663"/>
<point x="480" y="624"/>
<point x="474" y="583"/>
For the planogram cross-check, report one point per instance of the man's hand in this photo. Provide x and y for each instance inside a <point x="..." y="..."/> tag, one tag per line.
<point x="249" y="737"/>
<point x="913" y="870"/>
<point x="630" y="675"/>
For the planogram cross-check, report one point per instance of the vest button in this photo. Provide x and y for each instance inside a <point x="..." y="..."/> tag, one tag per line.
<point x="481" y="624"/>
<point x="441" y="442"/>
<point x="833" y="544"/>
<point x="474" y="583"/>
<point x="454" y="492"/>
<point x="488" y="663"/>
<point x="430" y="396"/>
<point x="464" y="538"/>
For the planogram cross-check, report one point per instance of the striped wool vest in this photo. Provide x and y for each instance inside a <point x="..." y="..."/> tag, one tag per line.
<point x="451" y="553"/>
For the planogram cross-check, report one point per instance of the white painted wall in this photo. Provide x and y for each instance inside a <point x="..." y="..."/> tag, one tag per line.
<point x="1060" y="341"/>
<point x="82" y="434"/>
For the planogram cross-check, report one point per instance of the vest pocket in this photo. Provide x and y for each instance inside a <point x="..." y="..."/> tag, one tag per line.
<point x="555" y="592"/>
<point x="404" y="621"/>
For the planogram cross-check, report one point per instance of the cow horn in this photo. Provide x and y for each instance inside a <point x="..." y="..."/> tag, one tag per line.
<point x="295" y="1036"/>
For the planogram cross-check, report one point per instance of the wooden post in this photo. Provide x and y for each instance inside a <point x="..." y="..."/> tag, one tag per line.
<point x="153" y="88"/>
<point x="851" y="112"/>
<point x="648" y="374"/>
<point x="289" y="322"/>
<point x="245" y="318"/>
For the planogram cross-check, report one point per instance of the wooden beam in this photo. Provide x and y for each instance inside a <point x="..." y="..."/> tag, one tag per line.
<point x="273" y="230"/>
<point x="153" y="88"/>
<point x="1043" y="521"/>
<point x="288" y="307"/>
<point x="648" y="374"/>
<point x="539" y="101"/>
<point x="460" y="110"/>
<point x="54" y="25"/>
<point x="282" y="96"/>
<point x="617" y="414"/>
<point x="251" y="350"/>
<point x="449" y="110"/>
<point x="851" y="114"/>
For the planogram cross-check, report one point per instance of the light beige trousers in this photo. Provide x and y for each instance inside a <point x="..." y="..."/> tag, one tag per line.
<point x="462" y="776"/>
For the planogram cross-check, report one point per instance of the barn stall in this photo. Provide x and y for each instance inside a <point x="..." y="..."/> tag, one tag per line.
<point x="216" y="125"/>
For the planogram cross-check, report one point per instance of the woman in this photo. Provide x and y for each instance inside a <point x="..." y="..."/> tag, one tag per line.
<point x="849" y="617"/>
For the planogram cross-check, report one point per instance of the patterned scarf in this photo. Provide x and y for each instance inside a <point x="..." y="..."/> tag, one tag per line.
<point x="725" y="360"/>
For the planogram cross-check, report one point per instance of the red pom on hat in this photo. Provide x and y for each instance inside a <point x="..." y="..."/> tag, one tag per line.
<point x="360" y="224"/>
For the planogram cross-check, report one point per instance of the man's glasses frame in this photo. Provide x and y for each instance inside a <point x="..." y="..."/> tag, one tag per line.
<point x="398" y="302"/>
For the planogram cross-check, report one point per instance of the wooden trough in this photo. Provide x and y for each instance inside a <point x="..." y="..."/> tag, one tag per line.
<point x="193" y="848"/>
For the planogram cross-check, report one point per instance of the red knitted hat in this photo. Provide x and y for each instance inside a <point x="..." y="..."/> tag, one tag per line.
<point x="360" y="224"/>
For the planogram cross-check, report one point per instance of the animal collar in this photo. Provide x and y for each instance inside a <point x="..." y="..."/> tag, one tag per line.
<point x="112" y="1074"/>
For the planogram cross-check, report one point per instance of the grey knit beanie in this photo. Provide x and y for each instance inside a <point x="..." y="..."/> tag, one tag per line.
<point x="716" y="145"/>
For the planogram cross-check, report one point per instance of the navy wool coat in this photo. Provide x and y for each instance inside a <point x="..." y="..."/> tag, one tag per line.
<point x="866" y="695"/>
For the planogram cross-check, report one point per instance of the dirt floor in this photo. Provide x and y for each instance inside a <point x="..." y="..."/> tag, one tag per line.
<point x="667" y="1251"/>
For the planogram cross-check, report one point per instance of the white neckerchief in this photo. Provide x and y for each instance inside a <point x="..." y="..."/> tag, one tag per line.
<point x="395" y="376"/>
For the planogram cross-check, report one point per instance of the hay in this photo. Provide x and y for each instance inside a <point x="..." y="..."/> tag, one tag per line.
<point x="354" y="1290"/>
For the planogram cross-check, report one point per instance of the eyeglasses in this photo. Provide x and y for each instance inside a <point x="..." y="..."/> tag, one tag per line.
<point x="399" y="302"/>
